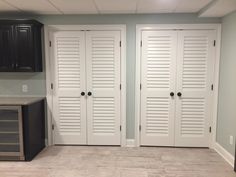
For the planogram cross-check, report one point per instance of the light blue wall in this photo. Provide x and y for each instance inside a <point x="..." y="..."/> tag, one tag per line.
<point x="11" y="83"/>
<point x="227" y="88"/>
<point x="35" y="81"/>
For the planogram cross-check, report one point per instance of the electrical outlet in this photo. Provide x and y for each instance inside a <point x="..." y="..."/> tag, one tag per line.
<point x="25" y="88"/>
<point x="231" y="140"/>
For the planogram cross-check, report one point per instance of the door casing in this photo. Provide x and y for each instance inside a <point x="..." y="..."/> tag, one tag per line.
<point x="48" y="30"/>
<point x="139" y="29"/>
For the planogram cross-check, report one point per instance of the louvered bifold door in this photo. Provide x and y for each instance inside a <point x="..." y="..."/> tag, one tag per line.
<point x="103" y="81"/>
<point x="194" y="79"/>
<point x="158" y="68"/>
<point x="69" y="107"/>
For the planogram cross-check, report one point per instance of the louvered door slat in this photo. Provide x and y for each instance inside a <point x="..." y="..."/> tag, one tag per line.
<point x="69" y="71"/>
<point x="157" y="78"/>
<point x="194" y="78"/>
<point x="103" y="80"/>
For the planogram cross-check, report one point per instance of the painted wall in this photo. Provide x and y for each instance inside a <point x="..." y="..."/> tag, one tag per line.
<point x="11" y="84"/>
<point x="36" y="82"/>
<point x="227" y="88"/>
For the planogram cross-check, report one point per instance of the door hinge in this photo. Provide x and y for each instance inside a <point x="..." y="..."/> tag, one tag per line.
<point x="140" y="86"/>
<point x="214" y="43"/>
<point x="120" y="86"/>
<point x="141" y="43"/>
<point x="120" y="43"/>
<point x="53" y="126"/>
<point x="50" y="43"/>
<point x="210" y="129"/>
<point x="52" y="86"/>
<point x="140" y="128"/>
<point x="120" y="128"/>
<point x="212" y="87"/>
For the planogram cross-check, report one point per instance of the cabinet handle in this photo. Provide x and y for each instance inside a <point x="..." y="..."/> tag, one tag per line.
<point x="89" y="93"/>
<point x="82" y="93"/>
<point x="172" y="93"/>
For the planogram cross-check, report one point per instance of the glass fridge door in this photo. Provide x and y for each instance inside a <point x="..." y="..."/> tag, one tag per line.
<point x="11" y="134"/>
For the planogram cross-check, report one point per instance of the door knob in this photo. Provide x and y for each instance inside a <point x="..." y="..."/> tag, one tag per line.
<point x="82" y="93"/>
<point x="172" y="94"/>
<point x="89" y="93"/>
<point x="179" y="94"/>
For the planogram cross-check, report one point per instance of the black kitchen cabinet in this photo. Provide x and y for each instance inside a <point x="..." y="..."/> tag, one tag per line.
<point x="20" y="46"/>
<point x="33" y="128"/>
<point x="6" y="43"/>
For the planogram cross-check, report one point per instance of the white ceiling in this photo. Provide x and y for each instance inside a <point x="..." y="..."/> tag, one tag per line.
<point x="191" y="6"/>
<point x="171" y="6"/>
<point x="33" y="6"/>
<point x="111" y="6"/>
<point x="219" y="8"/>
<point x="116" y="6"/>
<point x="5" y="7"/>
<point x="75" y="6"/>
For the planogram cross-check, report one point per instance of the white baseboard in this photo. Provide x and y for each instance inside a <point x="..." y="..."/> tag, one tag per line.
<point x="46" y="142"/>
<point x="130" y="143"/>
<point x="225" y="154"/>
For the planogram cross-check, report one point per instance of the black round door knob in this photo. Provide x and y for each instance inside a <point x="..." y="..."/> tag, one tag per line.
<point x="179" y="94"/>
<point x="172" y="94"/>
<point x="82" y="93"/>
<point x="89" y="93"/>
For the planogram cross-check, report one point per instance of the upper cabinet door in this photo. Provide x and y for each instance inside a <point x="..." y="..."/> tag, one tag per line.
<point x="20" y="46"/>
<point x="6" y="58"/>
<point x="24" y="54"/>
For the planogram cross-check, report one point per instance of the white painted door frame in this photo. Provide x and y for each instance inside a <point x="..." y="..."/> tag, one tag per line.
<point x="139" y="29"/>
<point x="50" y="78"/>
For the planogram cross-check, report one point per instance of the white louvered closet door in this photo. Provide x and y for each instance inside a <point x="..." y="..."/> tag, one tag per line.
<point x="103" y="81"/>
<point x="69" y="107"/>
<point x="194" y="79"/>
<point x="158" y="69"/>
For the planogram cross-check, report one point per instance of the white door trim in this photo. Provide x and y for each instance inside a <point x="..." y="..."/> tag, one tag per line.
<point x="139" y="29"/>
<point x="49" y="74"/>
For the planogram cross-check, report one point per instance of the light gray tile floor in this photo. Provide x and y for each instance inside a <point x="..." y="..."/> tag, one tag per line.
<point x="86" y="161"/>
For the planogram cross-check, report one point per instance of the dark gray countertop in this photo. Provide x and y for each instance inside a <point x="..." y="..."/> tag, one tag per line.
<point x="8" y="101"/>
